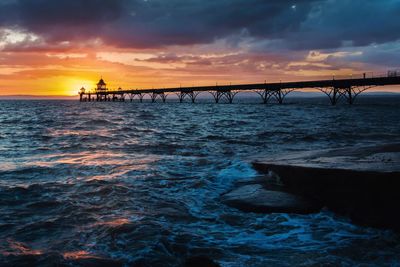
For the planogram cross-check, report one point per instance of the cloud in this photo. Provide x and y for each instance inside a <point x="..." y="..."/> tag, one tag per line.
<point x="294" y="25"/>
<point x="320" y="56"/>
<point x="153" y="23"/>
<point x="15" y="37"/>
<point x="341" y="23"/>
<point x="197" y="40"/>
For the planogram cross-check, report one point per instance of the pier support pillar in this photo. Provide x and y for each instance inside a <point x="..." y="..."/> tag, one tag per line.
<point x="217" y="96"/>
<point x="348" y="93"/>
<point x="336" y="93"/>
<point x="350" y="97"/>
<point x="332" y="93"/>
<point x="280" y="94"/>
<point x="229" y="95"/>
<point x="353" y="91"/>
<point x="265" y="95"/>
<point x="162" y="95"/>
<point x="192" y="95"/>
<point x="279" y="97"/>
<point x="335" y="96"/>
<point x="181" y="96"/>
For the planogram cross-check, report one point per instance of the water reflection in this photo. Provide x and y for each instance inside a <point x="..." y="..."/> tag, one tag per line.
<point x="84" y="165"/>
<point x="76" y="255"/>
<point x="15" y="248"/>
<point x="140" y="183"/>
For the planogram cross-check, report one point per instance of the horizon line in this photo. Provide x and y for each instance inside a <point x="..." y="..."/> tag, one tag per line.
<point x="28" y="96"/>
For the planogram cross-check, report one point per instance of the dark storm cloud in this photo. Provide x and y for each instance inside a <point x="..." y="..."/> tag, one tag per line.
<point x="333" y="24"/>
<point x="192" y="22"/>
<point x="62" y="20"/>
<point x="298" y="25"/>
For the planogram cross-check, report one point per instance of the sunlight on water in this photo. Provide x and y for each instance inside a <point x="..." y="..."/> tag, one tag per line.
<point x="81" y="254"/>
<point x="140" y="183"/>
<point x="19" y="248"/>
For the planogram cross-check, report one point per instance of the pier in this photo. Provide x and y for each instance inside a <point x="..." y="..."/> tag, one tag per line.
<point x="346" y="89"/>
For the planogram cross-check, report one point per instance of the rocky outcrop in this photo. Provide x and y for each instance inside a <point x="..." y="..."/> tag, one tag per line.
<point x="367" y="197"/>
<point x="255" y="198"/>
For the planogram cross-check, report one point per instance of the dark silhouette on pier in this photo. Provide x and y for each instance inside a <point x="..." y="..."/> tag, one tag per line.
<point x="335" y="89"/>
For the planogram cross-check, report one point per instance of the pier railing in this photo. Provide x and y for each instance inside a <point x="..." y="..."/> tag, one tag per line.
<point x="336" y="88"/>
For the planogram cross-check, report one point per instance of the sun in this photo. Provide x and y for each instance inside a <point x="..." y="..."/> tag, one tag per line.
<point x="71" y="86"/>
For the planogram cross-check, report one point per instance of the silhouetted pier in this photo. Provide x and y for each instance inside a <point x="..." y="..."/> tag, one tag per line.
<point x="336" y="89"/>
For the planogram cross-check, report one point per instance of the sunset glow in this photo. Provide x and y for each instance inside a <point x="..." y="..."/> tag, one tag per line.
<point x="60" y="48"/>
<point x="71" y="85"/>
<point x="199" y="133"/>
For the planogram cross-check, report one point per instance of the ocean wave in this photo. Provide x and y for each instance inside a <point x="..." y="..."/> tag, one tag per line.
<point x="129" y="183"/>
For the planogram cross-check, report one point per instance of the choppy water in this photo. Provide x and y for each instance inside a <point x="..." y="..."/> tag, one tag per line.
<point x="84" y="183"/>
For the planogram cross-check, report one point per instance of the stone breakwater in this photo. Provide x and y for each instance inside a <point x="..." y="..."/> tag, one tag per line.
<point x="366" y="189"/>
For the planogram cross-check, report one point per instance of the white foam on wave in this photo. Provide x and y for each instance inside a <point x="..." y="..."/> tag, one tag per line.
<point x="307" y="232"/>
<point x="237" y="171"/>
<point x="315" y="234"/>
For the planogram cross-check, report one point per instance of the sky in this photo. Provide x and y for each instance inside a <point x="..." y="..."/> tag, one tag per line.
<point x="50" y="47"/>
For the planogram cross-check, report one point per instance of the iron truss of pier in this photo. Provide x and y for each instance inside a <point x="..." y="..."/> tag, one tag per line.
<point x="335" y="89"/>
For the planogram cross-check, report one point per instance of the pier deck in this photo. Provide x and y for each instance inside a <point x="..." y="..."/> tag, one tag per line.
<point x="335" y="89"/>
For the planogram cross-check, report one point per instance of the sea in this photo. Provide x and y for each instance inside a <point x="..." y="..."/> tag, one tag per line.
<point x="139" y="184"/>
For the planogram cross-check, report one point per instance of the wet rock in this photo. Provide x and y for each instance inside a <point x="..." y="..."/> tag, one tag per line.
<point x="256" y="198"/>
<point x="367" y="197"/>
<point x="376" y="158"/>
